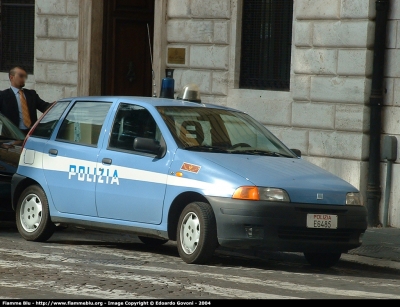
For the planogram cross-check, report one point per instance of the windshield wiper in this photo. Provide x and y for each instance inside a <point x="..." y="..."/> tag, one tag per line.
<point x="206" y="148"/>
<point x="261" y="153"/>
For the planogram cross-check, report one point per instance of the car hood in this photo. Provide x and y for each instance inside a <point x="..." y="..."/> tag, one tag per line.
<point x="302" y="180"/>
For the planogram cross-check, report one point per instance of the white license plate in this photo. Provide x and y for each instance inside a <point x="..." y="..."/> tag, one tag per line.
<point x="322" y="221"/>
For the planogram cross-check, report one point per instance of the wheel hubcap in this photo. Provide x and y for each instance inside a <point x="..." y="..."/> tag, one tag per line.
<point x="31" y="213"/>
<point x="190" y="233"/>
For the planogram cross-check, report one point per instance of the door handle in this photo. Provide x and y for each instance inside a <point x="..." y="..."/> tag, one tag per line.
<point x="106" y="161"/>
<point x="131" y="72"/>
<point x="53" y="152"/>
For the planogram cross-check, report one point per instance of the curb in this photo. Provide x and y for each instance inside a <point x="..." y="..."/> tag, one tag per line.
<point x="371" y="261"/>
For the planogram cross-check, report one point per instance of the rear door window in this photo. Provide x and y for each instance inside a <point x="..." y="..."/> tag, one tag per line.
<point x="83" y="123"/>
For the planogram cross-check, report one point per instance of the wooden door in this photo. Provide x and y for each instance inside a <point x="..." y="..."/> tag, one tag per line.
<point x="126" y="62"/>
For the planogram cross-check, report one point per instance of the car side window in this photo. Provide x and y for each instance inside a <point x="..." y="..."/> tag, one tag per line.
<point x="83" y="123"/>
<point x="130" y="122"/>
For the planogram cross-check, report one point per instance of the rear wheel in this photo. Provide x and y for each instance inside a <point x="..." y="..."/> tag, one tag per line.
<point x="322" y="260"/>
<point x="197" y="233"/>
<point x="152" y="241"/>
<point x="33" y="215"/>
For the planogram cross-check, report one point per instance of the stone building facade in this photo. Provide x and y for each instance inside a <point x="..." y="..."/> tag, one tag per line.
<point x="325" y="113"/>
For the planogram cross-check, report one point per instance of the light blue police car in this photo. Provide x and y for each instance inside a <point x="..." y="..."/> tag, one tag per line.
<point x="164" y="169"/>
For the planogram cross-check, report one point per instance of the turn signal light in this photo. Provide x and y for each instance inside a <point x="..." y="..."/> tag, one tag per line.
<point x="249" y="193"/>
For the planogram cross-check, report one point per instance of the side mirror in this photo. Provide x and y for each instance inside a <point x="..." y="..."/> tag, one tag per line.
<point x="297" y="152"/>
<point x="150" y="146"/>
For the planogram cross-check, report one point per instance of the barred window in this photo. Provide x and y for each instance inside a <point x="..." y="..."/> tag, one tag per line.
<point x="17" y="34"/>
<point x="266" y="44"/>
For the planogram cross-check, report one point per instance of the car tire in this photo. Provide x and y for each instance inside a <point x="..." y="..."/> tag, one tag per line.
<point x="152" y="241"/>
<point x="322" y="260"/>
<point x="33" y="215"/>
<point x="197" y="233"/>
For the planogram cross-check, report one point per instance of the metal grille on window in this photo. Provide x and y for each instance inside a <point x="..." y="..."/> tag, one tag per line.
<point x="266" y="44"/>
<point x="17" y="34"/>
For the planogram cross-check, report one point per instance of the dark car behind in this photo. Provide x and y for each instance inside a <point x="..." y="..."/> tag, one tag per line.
<point x="11" y="139"/>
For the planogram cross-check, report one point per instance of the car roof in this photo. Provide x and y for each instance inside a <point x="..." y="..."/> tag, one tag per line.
<point x="153" y="101"/>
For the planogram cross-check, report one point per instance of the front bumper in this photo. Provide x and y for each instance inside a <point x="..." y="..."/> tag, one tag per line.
<point x="276" y="226"/>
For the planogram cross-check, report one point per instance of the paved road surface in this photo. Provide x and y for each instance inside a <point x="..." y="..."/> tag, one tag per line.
<point x="80" y="264"/>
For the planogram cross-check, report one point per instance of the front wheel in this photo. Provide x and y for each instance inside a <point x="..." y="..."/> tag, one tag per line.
<point x="197" y="233"/>
<point x="33" y="215"/>
<point x="322" y="260"/>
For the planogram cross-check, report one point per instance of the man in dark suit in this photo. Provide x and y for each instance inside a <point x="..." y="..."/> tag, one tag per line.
<point x="10" y="100"/>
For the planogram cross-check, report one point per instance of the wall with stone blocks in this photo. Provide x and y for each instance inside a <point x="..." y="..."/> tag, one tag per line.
<point x="56" y="50"/>
<point x="391" y="112"/>
<point x="332" y="65"/>
<point x="203" y="29"/>
<point x="56" y="47"/>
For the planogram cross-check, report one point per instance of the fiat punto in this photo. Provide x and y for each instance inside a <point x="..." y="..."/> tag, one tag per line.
<point x="199" y="174"/>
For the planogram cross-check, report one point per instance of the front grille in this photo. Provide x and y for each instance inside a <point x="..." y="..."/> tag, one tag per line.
<point x="295" y="233"/>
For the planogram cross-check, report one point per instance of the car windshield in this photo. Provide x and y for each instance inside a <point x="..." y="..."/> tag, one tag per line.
<point x="222" y="131"/>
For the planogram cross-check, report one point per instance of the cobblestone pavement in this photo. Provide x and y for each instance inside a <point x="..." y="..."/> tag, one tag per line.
<point x="82" y="264"/>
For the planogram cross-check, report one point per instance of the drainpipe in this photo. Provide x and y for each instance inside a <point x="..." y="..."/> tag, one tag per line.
<point x="376" y="101"/>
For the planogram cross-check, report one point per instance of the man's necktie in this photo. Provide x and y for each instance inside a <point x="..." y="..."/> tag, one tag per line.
<point x="24" y="108"/>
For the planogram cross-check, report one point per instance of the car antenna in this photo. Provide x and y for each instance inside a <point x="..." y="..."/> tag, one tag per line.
<point x="151" y="60"/>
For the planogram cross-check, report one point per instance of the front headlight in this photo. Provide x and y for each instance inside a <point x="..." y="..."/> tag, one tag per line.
<point x="354" y="199"/>
<point x="260" y="193"/>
